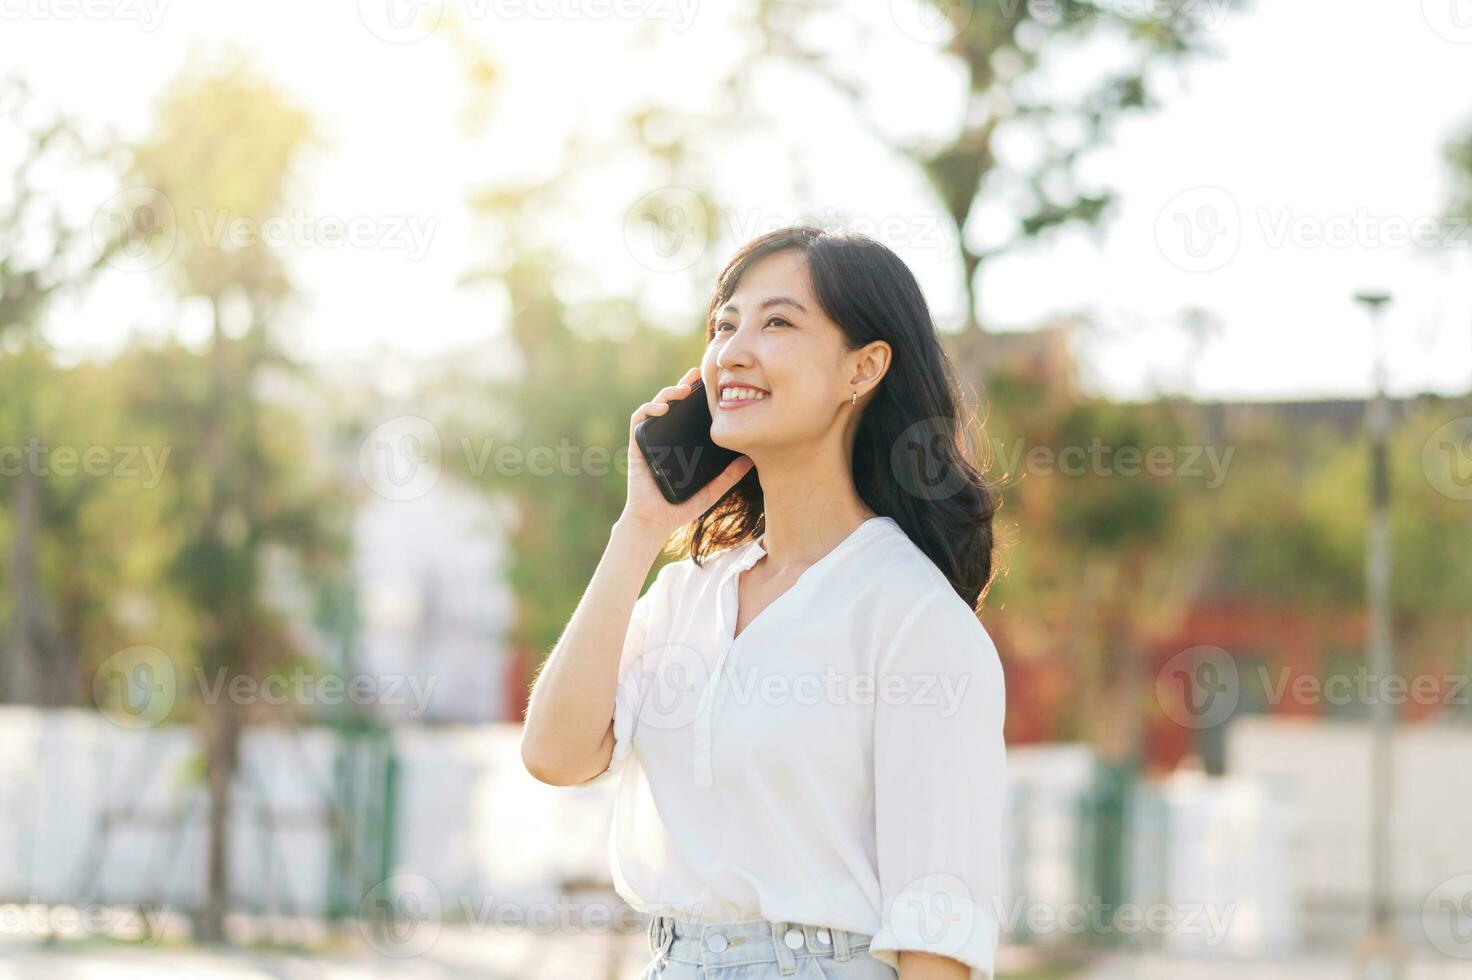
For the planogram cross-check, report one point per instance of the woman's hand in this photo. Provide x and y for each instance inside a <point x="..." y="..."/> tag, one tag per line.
<point x="645" y="506"/>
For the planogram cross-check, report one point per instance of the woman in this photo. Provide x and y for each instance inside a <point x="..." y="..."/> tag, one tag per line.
<point x="805" y="713"/>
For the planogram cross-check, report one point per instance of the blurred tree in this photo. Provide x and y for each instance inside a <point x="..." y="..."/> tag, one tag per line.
<point x="44" y="254"/>
<point x="1010" y="56"/>
<point x="564" y="420"/>
<point x="578" y="363"/>
<point x="1431" y="526"/>
<point x="1005" y="53"/>
<point x="1458" y="156"/>
<point x="221" y="156"/>
<point x="1117" y="550"/>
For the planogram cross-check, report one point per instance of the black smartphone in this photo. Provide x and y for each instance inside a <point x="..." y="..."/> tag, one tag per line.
<point x="678" y="448"/>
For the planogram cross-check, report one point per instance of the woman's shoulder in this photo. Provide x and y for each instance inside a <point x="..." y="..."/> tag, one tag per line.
<point x="905" y="573"/>
<point x="922" y="598"/>
<point x="684" y="571"/>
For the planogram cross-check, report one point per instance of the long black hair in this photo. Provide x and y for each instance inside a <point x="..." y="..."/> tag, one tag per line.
<point x="910" y="459"/>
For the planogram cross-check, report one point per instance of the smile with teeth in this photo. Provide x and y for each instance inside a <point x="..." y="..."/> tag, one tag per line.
<point x="737" y="396"/>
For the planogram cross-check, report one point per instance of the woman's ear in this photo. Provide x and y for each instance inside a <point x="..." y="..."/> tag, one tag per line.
<point x="871" y="362"/>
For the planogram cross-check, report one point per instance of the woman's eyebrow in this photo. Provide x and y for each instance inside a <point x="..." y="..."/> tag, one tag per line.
<point x="767" y="304"/>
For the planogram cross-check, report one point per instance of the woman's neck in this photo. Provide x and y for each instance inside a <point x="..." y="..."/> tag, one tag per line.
<point x="810" y="506"/>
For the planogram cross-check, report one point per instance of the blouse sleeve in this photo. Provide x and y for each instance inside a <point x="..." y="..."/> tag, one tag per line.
<point x="940" y="788"/>
<point x="650" y="613"/>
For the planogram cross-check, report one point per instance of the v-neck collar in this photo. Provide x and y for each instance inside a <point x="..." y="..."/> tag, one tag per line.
<point x="728" y="604"/>
<point x="756" y="550"/>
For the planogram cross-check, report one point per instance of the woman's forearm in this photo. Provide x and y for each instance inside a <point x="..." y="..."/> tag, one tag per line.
<point x="570" y="712"/>
<point x="927" y="966"/>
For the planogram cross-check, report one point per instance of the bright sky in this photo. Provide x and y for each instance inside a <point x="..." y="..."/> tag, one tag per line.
<point x="1273" y="184"/>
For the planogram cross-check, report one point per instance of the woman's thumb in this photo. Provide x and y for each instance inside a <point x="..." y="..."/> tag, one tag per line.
<point x="729" y="477"/>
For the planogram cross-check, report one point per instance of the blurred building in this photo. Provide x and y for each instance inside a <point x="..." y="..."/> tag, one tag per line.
<point x="428" y="606"/>
<point x="1043" y="356"/>
<point x="432" y="604"/>
<point x="1277" y="637"/>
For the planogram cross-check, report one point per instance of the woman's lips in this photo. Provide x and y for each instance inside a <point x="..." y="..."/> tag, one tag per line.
<point x="735" y="403"/>
<point x="727" y="390"/>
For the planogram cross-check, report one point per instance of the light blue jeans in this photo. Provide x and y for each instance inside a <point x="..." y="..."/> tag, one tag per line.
<point x="758" y="950"/>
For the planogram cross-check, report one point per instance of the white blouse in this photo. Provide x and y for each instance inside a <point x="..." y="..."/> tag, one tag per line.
<point x="840" y="763"/>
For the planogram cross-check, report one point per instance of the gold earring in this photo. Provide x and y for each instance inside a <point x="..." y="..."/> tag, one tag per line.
<point x="855" y="400"/>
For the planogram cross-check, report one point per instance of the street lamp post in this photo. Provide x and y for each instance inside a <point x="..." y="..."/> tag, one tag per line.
<point x="1380" y="955"/>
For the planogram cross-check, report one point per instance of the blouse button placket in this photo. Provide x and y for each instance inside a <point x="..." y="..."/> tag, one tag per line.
<point x="726" y="607"/>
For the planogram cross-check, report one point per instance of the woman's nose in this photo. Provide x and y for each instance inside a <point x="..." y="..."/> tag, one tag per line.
<point x="735" y="352"/>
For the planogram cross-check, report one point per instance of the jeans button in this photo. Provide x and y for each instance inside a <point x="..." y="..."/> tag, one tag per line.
<point x="824" y="937"/>
<point x="716" y="942"/>
<point x="793" y="938"/>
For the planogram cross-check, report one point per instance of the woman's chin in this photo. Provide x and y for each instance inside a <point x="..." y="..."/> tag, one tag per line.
<point x="736" y="441"/>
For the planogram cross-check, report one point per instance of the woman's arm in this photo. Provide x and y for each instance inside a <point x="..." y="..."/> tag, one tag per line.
<point x="928" y="966"/>
<point x="940" y="794"/>
<point x="568" y="736"/>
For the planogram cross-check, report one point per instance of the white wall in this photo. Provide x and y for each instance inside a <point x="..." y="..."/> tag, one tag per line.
<point x="66" y="772"/>
<point x="1322" y="769"/>
<point x="1288" y="825"/>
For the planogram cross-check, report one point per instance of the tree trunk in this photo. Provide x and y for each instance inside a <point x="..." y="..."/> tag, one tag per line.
<point x="222" y="743"/>
<point x="968" y="348"/>
<point x="220" y="720"/>
<point x="39" y="667"/>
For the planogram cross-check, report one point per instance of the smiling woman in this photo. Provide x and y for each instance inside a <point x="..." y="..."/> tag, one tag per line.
<point x="815" y="321"/>
<point x="804" y="712"/>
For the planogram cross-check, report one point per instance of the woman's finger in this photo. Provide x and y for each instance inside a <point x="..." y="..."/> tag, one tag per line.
<point x="716" y="489"/>
<point x="673" y="392"/>
<point x="647" y="409"/>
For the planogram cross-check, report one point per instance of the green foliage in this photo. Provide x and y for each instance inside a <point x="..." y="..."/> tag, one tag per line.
<point x="1458" y="157"/>
<point x="1114" y="504"/>
<point x="1006" y="54"/>
<point x="562" y="439"/>
<point x="223" y="150"/>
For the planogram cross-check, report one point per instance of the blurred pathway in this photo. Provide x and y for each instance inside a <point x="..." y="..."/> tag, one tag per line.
<point x="568" y="956"/>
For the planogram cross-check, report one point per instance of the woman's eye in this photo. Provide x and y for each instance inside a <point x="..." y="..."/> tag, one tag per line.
<point x="723" y="327"/>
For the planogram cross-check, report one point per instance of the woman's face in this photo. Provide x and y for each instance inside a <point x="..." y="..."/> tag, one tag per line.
<point x="773" y="338"/>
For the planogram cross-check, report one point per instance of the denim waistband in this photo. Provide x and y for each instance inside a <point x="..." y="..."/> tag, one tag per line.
<point x="712" y="944"/>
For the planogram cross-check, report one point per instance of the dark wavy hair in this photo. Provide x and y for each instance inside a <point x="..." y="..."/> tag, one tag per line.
<point x="910" y="461"/>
